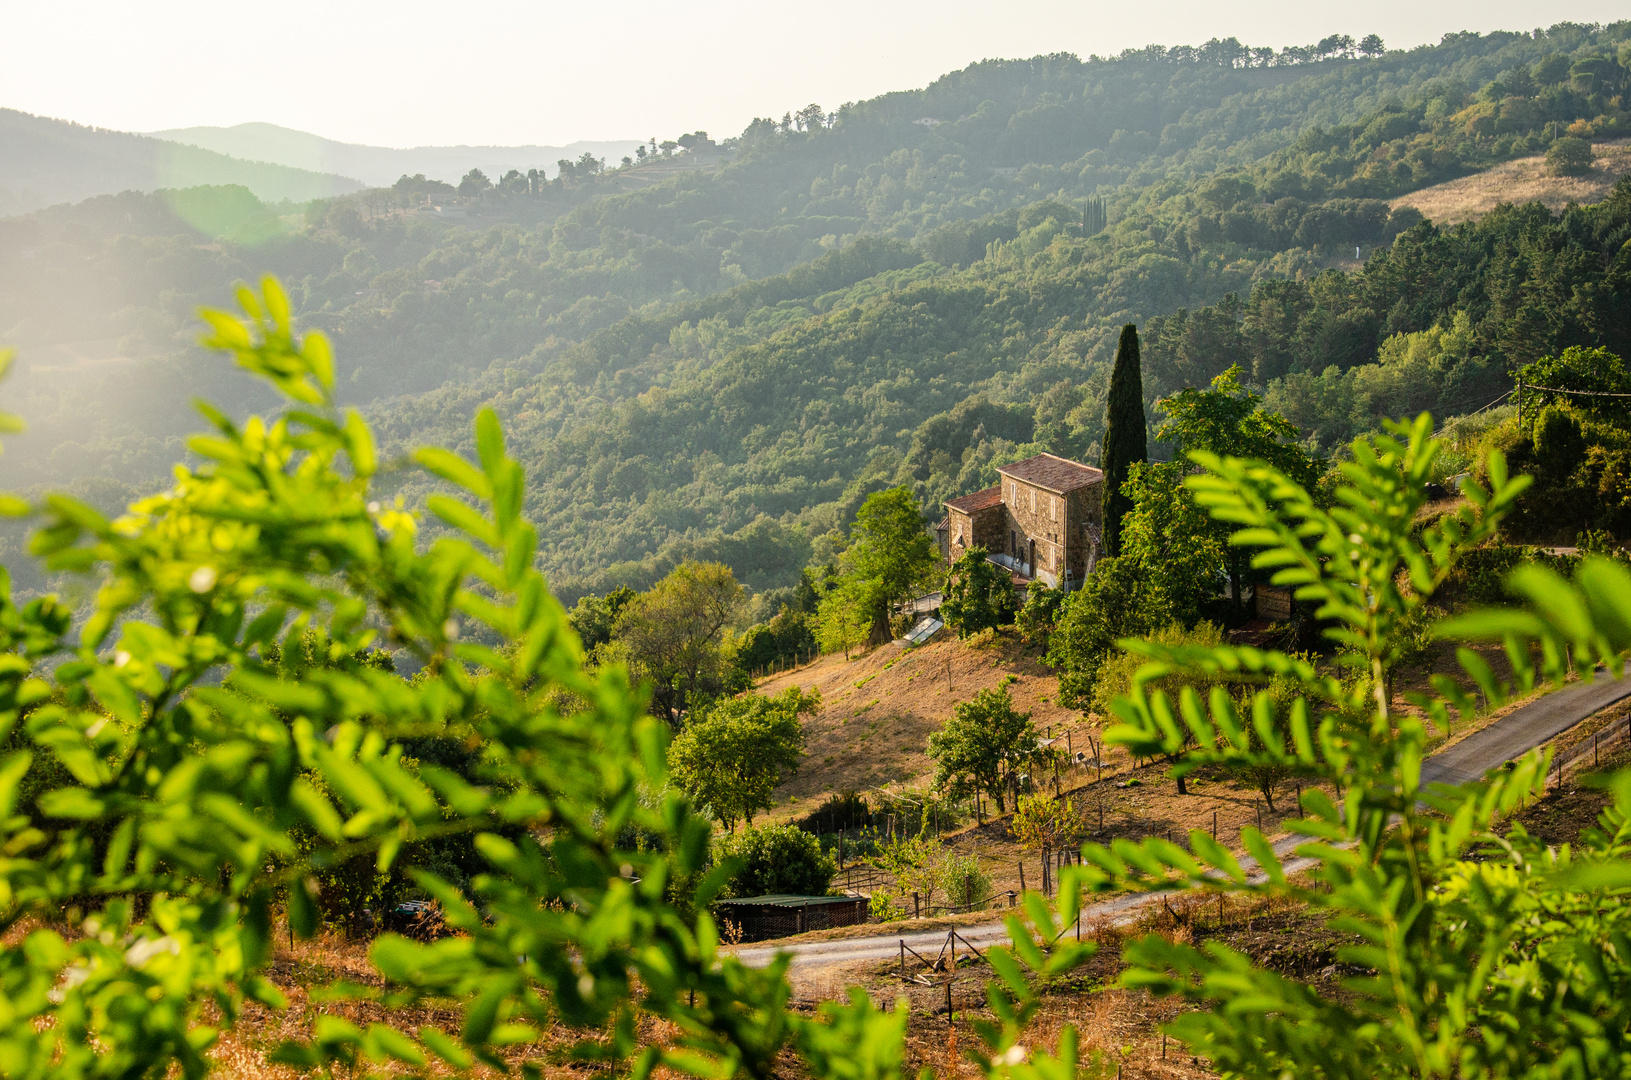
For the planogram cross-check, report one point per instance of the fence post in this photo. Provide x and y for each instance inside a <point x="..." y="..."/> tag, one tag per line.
<point x="916" y="911"/>
<point x="1214" y="824"/>
<point x="1022" y="875"/>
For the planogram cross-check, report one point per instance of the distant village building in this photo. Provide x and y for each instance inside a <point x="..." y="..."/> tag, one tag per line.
<point x="1041" y="521"/>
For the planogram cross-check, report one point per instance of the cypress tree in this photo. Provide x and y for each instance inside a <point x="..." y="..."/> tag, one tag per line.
<point x="1125" y="437"/>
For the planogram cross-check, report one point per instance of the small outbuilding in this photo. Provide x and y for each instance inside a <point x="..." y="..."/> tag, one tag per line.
<point x="761" y="918"/>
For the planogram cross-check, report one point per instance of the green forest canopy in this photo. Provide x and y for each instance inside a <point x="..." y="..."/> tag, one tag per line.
<point x="724" y="363"/>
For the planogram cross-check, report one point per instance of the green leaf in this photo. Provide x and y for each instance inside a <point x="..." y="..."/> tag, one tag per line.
<point x="454" y="469"/>
<point x="302" y="909"/>
<point x="490" y="443"/>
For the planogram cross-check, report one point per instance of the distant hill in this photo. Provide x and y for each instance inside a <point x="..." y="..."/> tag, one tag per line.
<point x="381" y="165"/>
<point x="44" y="162"/>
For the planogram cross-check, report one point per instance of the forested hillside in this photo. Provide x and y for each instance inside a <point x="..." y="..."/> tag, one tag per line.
<point x="725" y="359"/>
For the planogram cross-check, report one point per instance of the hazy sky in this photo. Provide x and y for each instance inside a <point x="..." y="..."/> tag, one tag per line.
<point x="412" y="73"/>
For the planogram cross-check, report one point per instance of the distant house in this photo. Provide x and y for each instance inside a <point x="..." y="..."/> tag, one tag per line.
<point x="1041" y="521"/>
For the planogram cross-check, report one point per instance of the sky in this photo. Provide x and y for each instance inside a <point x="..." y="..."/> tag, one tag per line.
<point x="411" y="73"/>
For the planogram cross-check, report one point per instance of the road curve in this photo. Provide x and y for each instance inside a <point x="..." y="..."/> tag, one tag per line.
<point x="1512" y="736"/>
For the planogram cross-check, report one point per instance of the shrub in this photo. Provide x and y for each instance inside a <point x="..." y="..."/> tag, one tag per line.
<point x="1041" y="611"/>
<point x="778" y="859"/>
<point x="963" y="882"/>
<point x="1559" y="443"/>
<point x="1569" y="157"/>
<point x="839" y="813"/>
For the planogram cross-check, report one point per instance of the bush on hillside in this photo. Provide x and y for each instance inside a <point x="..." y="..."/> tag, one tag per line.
<point x="1037" y="618"/>
<point x="963" y="882"/>
<point x="777" y="859"/>
<point x="1569" y="157"/>
<point x="841" y="812"/>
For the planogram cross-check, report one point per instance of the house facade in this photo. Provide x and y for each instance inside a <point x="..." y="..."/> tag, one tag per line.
<point x="1041" y="521"/>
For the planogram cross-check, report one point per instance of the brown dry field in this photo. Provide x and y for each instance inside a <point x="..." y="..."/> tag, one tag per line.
<point x="879" y="709"/>
<point x="1521" y="181"/>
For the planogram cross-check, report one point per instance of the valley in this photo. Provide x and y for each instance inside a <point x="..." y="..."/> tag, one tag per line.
<point x="454" y="599"/>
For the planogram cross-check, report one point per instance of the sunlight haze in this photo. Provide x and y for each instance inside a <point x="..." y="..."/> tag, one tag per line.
<point x="411" y="74"/>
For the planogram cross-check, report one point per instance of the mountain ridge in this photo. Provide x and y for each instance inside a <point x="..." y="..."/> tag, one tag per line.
<point x="380" y="166"/>
<point x="46" y="162"/>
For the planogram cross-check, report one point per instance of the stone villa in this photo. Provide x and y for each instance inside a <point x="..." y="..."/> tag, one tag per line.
<point x="1041" y="521"/>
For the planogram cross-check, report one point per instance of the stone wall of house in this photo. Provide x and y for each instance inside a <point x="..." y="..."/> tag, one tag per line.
<point x="983" y="528"/>
<point x="1085" y="520"/>
<point x="1056" y="522"/>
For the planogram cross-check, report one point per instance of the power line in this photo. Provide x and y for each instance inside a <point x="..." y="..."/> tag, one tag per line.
<point x="1577" y="393"/>
<point x="1469" y="416"/>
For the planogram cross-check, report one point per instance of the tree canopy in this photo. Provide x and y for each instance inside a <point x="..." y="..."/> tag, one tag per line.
<point x="673" y="634"/>
<point x="985" y="746"/>
<point x="735" y="754"/>
<point x="890" y="556"/>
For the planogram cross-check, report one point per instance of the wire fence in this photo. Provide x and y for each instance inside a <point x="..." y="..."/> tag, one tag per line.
<point x="1612" y="734"/>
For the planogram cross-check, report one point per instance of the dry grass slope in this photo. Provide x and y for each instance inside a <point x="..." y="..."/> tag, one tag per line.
<point x="1521" y="181"/>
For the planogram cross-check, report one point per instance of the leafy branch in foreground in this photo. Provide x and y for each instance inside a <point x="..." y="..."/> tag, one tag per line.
<point x="1483" y="954"/>
<point x="154" y="765"/>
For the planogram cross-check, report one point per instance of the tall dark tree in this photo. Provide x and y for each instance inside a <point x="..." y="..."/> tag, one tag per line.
<point x="1126" y="439"/>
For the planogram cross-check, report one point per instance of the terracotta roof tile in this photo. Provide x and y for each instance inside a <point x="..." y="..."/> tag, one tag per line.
<point x="1053" y="473"/>
<point x="980" y="500"/>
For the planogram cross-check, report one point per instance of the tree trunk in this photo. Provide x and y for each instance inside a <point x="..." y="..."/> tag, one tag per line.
<point x="880" y="629"/>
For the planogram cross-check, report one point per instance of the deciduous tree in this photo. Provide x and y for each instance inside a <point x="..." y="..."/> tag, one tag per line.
<point x="673" y="634"/>
<point x="890" y="552"/>
<point x="983" y="747"/>
<point x="979" y="594"/>
<point x="732" y="757"/>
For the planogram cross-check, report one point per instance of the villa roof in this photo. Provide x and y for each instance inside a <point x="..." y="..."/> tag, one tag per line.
<point x="1052" y="473"/>
<point x="980" y="500"/>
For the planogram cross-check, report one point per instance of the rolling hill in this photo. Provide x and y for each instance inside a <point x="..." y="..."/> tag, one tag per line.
<point x="44" y="162"/>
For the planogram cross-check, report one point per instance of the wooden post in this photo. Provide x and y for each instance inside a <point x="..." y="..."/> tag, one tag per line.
<point x="916" y="910"/>
<point x="1022" y="875"/>
<point x="948" y="998"/>
<point x="1214" y="824"/>
<point x="903" y="957"/>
